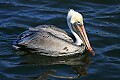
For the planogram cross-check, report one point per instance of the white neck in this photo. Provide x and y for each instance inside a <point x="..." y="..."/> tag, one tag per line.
<point x="78" y="40"/>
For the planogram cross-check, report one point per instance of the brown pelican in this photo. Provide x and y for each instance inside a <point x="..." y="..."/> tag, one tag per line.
<point x="52" y="41"/>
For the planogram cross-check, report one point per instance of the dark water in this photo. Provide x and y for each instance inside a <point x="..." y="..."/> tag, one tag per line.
<point x="102" y="22"/>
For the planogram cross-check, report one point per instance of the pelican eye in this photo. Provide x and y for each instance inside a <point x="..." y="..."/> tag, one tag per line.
<point x="79" y="23"/>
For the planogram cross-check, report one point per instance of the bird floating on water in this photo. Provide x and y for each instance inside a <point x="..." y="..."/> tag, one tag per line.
<point x="52" y="41"/>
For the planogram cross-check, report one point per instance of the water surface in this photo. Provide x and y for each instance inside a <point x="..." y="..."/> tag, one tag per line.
<point x="102" y="22"/>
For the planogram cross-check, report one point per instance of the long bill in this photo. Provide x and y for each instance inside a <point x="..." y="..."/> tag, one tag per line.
<point x="84" y="35"/>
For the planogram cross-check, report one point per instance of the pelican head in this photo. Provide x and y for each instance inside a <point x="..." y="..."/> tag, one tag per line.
<point x="76" y="25"/>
